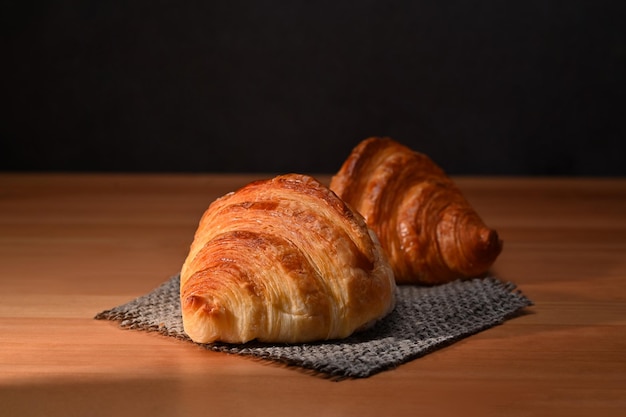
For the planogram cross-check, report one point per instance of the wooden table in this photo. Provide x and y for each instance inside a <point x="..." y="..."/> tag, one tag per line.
<point x="73" y="245"/>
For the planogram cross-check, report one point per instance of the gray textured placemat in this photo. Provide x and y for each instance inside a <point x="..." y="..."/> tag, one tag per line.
<point x="425" y="319"/>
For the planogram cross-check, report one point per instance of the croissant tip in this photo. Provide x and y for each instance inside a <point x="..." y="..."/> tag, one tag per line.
<point x="489" y="245"/>
<point x="192" y="302"/>
<point x="198" y="303"/>
<point x="490" y="238"/>
<point x="200" y="321"/>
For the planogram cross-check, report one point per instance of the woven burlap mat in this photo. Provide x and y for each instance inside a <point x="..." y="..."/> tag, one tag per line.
<point x="425" y="319"/>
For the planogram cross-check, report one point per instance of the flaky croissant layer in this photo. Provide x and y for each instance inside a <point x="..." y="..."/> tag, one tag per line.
<point x="283" y="260"/>
<point x="429" y="231"/>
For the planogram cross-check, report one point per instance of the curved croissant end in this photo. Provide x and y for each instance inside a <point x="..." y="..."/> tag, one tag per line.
<point x="283" y="260"/>
<point x="428" y="229"/>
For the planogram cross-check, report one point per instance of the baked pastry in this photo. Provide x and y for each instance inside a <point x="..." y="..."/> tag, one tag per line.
<point x="283" y="260"/>
<point x="429" y="231"/>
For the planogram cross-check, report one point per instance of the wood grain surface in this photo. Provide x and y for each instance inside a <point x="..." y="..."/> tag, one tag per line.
<point x="73" y="245"/>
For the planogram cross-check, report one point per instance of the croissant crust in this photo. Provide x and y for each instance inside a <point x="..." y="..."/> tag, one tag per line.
<point x="283" y="260"/>
<point x="429" y="231"/>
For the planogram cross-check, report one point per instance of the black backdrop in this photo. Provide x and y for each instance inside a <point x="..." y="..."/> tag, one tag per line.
<point x="533" y="87"/>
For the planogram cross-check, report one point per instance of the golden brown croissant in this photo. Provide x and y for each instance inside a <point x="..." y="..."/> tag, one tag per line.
<point x="429" y="231"/>
<point x="283" y="260"/>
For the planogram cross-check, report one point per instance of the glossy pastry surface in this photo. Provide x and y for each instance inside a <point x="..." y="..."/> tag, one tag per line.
<point x="430" y="232"/>
<point x="283" y="260"/>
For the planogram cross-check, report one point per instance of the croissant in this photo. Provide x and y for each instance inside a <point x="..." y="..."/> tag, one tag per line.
<point x="283" y="260"/>
<point x="429" y="231"/>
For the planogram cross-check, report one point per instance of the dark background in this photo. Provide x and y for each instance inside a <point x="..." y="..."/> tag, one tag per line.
<point x="534" y="87"/>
